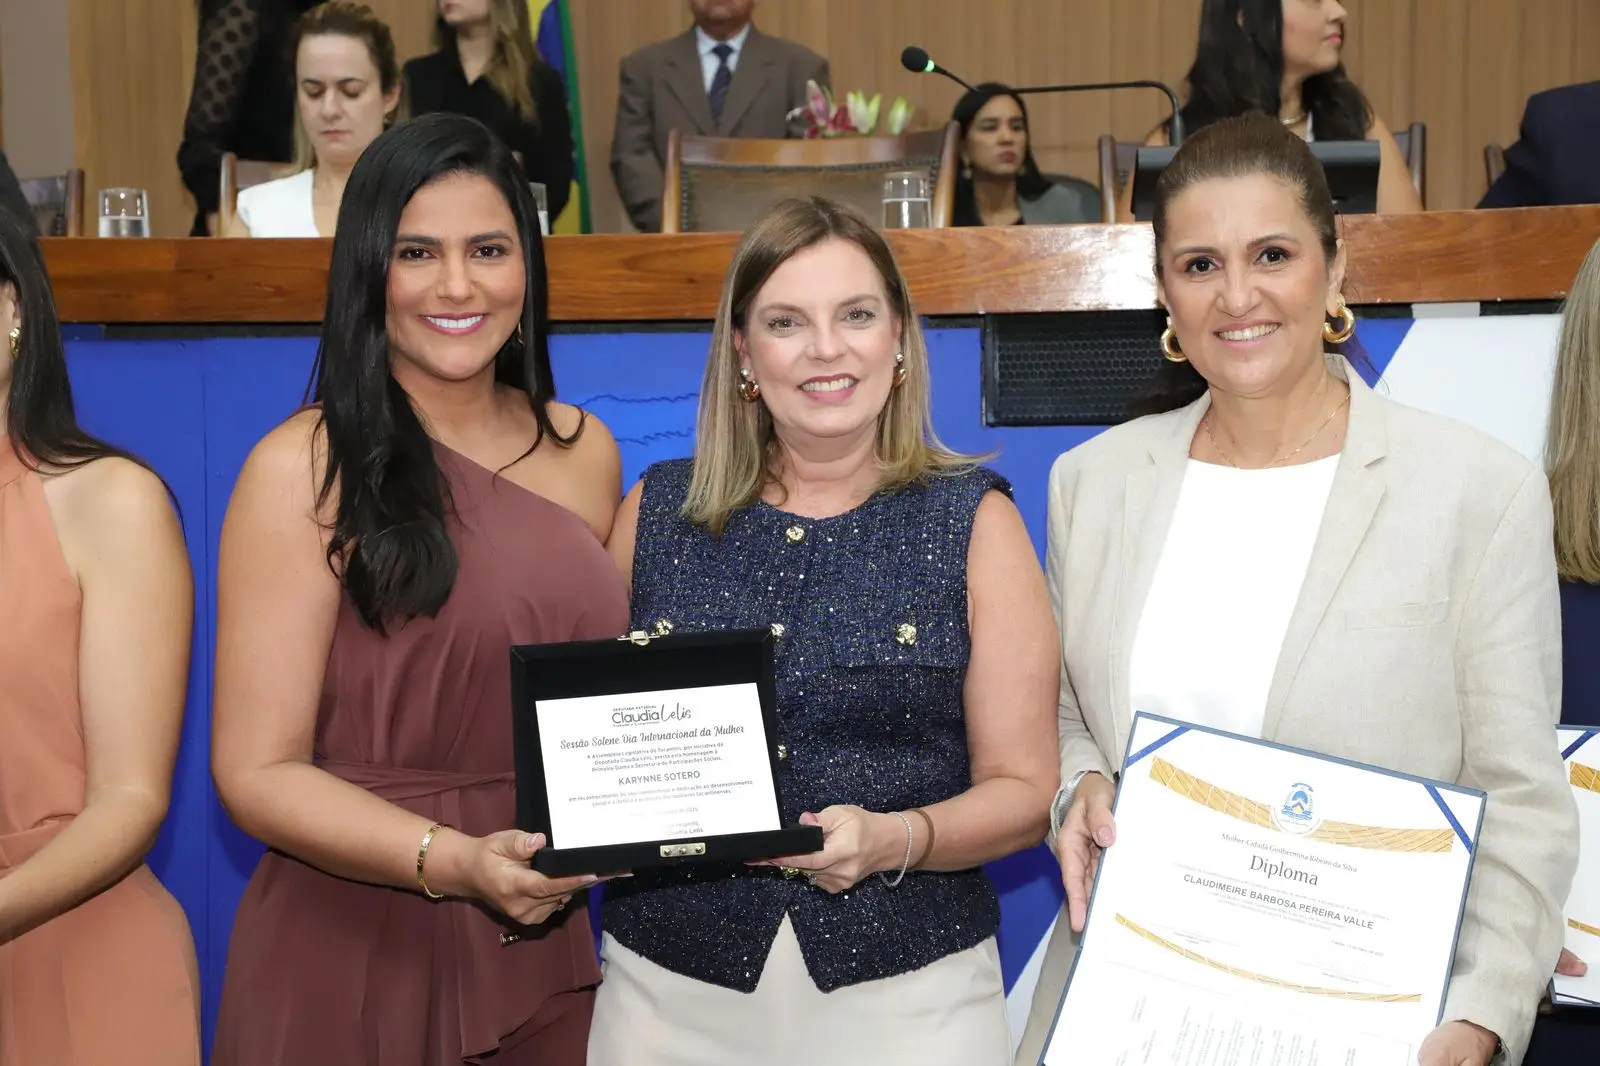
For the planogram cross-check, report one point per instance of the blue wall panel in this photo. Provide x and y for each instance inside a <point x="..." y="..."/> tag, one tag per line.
<point x="195" y="408"/>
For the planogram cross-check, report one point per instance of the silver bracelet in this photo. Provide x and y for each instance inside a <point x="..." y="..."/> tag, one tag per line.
<point x="905" y="863"/>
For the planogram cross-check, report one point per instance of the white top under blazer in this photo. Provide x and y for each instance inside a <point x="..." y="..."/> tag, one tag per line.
<point x="1229" y="575"/>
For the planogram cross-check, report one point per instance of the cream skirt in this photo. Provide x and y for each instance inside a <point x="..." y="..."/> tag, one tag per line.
<point x="950" y="1012"/>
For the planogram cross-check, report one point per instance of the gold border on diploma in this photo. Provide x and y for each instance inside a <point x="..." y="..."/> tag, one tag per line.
<point x="1584" y="777"/>
<point x="1276" y="982"/>
<point x="1375" y="838"/>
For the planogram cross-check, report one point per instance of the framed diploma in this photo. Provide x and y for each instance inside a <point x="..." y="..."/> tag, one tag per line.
<point x="1580" y="750"/>
<point x="650" y="750"/>
<point x="1264" y="904"/>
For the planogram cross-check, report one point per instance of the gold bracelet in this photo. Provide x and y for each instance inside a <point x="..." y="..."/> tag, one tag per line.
<point x="422" y="857"/>
<point x="927" y="851"/>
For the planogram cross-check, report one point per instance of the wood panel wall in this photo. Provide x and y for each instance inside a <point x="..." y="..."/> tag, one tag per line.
<point x="1464" y="67"/>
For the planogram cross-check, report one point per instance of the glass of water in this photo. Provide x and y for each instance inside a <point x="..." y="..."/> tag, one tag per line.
<point x="541" y="200"/>
<point x="905" y="200"/>
<point x="124" y="213"/>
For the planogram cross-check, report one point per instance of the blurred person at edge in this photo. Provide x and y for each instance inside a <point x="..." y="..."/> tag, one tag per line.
<point x="1572" y="462"/>
<point x="1284" y="58"/>
<point x="97" y="964"/>
<point x="1300" y="559"/>
<point x="347" y="92"/>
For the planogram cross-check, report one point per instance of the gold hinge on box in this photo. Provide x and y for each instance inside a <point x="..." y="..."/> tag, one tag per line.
<point x="679" y="851"/>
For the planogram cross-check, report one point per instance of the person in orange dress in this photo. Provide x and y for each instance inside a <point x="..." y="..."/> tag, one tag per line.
<point x="97" y="965"/>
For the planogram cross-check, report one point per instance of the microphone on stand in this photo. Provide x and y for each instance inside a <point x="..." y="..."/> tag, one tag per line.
<point x="1174" y="124"/>
<point x="918" y="61"/>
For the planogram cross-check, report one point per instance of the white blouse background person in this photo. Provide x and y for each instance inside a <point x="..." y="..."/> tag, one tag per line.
<point x="1283" y="553"/>
<point x="347" y="91"/>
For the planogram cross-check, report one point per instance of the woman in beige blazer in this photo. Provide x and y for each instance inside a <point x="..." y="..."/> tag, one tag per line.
<point x="1281" y="552"/>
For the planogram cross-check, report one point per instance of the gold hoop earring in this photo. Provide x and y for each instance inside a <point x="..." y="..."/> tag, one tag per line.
<point x="749" y="391"/>
<point x="1347" y="325"/>
<point x="520" y="342"/>
<point x="899" y="369"/>
<point x="16" y="340"/>
<point x="1169" y="346"/>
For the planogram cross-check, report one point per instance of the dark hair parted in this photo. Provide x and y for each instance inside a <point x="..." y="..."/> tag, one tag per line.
<point x="1031" y="184"/>
<point x="40" y="419"/>
<point x="1238" y="68"/>
<point x="1245" y="146"/>
<point x="389" y="543"/>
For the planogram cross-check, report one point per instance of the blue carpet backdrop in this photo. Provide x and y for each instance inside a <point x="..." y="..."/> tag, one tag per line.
<point x="194" y="408"/>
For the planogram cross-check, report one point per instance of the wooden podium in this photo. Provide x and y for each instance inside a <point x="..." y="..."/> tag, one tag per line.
<point x="1440" y="257"/>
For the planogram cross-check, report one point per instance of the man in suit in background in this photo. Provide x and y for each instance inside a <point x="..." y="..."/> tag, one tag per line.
<point x="1556" y="159"/>
<point x="721" y="78"/>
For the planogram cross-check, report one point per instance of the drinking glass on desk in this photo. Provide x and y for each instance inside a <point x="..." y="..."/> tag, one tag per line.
<point x="905" y="200"/>
<point x="541" y="201"/>
<point x="124" y="213"/>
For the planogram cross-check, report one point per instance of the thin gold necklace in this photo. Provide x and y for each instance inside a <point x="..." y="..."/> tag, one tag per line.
<point x="1206" y="425"/>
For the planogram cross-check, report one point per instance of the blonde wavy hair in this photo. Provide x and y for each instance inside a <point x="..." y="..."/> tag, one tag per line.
<point x="735" y="441"/>
<point x="342" y="18"/>
<point x="1572" y="439"/>
<point x="510" y="68"/>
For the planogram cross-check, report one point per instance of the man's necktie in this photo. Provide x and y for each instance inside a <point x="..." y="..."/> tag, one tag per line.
<point x="720" y="81"/>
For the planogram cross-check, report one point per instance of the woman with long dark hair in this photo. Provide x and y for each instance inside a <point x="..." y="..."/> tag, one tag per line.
<point x="1000" y="184"/>
<point x="383" y="548"/>
<point x="485" y="65"/>
<point x="1283" y="58"/>
<point x="97" y="965"/>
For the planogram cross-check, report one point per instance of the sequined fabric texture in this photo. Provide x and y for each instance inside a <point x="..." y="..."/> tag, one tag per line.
<point x="870" y="608"/>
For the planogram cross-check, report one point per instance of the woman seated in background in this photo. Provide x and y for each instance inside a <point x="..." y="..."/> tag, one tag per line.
<point x="486" y="66"/>
<point x="96" y="601"/>
<point x="1282" y="58"/>
<point x="1000" y="184"/>
<point x="1572" y="460"/>
<point x="348" y="90"/>
<point x="916" y="668"/>
<point x="1278" y="551"/>
<point x="243" y="95"/>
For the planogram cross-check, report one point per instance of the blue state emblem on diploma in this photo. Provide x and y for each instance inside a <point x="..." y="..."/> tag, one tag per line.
<point x="1298" y="813"/>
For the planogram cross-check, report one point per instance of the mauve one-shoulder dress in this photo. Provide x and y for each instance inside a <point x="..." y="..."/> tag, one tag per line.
<point x="323" y="970"/>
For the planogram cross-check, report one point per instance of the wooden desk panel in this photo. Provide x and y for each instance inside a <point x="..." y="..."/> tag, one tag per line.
<point x="1528" y="254"/>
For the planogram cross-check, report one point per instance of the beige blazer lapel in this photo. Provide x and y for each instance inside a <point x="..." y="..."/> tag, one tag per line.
<point x="1353" y="499"/>
<point x="1148" y="505"/>
<point x="756" y="61"/>
<point x="685" y="79"/>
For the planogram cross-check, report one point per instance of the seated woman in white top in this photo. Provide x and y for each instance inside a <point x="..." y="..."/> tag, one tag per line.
<point x="1285" y="59"/>
<point x="347" y="90"/>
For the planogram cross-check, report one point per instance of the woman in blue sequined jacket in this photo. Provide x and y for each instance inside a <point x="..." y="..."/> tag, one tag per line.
<point x="916" y="683"/>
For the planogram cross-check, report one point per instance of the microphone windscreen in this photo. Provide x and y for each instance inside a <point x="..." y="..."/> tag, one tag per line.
<point x="915" y="60"/>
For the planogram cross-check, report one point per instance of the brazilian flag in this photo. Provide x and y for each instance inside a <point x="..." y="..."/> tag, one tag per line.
<point x="552" y="27"/>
